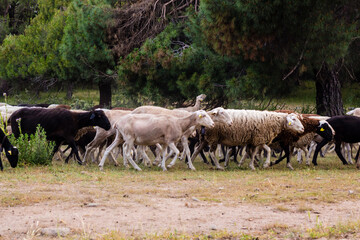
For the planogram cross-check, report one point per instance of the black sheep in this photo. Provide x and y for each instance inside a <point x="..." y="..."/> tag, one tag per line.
<point x="345" y="129"/>
<point x="11" y="152"/>
<point x="60" y="125"/>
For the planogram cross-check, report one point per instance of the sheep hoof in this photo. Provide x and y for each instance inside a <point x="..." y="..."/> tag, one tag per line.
<point x="266" y="165"/>
<point x="289" y="166"/>
<point x="252" y="167"/>
<point x="358" y="166"/>
<point x="138" y="169"/>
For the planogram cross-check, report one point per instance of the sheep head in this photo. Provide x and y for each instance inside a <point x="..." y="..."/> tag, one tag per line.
<point x="293" y="123"/>
<point x="12" y="155"/>
<point x="220" y="115"/>
<point x="325" y="130"/>
<point x="204" y="119"/>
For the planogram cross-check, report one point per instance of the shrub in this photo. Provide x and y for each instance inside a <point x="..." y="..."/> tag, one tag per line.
<point x="33" y="149"/>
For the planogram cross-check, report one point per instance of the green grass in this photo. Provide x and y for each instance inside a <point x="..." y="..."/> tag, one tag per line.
<point x="329" y="182"/>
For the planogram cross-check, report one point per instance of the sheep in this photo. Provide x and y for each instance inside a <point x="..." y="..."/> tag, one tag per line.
<point x="343" y="129"/>
<point x="7" y="110"/>
<point x="150" y="129"/>
<point x="160" y="110"/>
<point x="197" y="105"/>
<point x="217" y="115"/>
<point x="354" y="112"/>
<point x="43" y="105"/>
<point x="83" y="137"/>
<point x="102" y="135"/>
<point x="289" y="139"/>
<point x="11" y="152"/>
<point x="252" y="128"/>
<point x="60" y="125"/>
<point x="59" y="106"/>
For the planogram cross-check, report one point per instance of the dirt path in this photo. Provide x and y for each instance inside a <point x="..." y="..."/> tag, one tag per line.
<point x="150" y="214"/>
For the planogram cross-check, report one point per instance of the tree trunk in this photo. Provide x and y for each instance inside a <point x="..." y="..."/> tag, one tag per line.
<point x="69" y="90"/>
<point x="328" y="95"/>
<point x="105" y="93"/>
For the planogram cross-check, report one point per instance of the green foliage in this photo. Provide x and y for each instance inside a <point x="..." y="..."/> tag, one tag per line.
<point x="82" y="104"/>
<point x="34" y="54"/>
<point x="65" y="41"/>
<point x="83" y="47"/>
<point x="15" y="16"/>
<point x="33" y="149"/>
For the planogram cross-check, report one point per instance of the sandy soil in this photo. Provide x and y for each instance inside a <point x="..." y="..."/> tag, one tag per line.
<point x="145" y="214"/>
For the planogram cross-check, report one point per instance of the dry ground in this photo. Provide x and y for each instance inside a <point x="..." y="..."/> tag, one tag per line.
<point x="272" y="203"/>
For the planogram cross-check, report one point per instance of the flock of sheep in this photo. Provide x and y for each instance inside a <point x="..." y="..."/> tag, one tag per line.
<point x="174" y="133"/>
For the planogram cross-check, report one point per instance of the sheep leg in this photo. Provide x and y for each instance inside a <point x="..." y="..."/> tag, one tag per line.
<point x="109" y="149"/>
<point x="213" y="156"/>
<point x="159" y="150"/>
<point x="72" y="144"/>
<point x="227" y="156"/>
<point x="268" y="150"/>
<point x="113" y="158"/>
<point x="306" y="152"/>
<point x="317" y="150"/>
<point x="338" y="152"/>
<point x="147" y="161"/>
<point x="311" y="149"/>
<point x="198" y="150"/>
<point x="237" y="151"/>
<point x="128" y="146"/>
<point x="173" y="149"/>
<point x="1" y="165"/>
<point x="187" y="151"/>
<point x="100" y="149"/>
<point x="279" y="160"/>
<point x="357" y="154"/>
<point x="253" y="152"/>
<point x="89" y="149"/>
<point x="358" y="159"/>
<point x="288" y="164"/>
<point x="347" y="150"/>
<point x="246" y="154"/>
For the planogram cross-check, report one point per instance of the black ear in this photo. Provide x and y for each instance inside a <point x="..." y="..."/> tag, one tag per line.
<point x="92" y="116"/>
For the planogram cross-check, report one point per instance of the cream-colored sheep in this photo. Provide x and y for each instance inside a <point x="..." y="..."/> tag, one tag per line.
<point x="197" y="105"/>
<point x="151" y="129"/>
<point x="252" y="128"/>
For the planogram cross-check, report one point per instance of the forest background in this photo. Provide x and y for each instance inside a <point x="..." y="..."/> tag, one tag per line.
<point x="168" y="51"/>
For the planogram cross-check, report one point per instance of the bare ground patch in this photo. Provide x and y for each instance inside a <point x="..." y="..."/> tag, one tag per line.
<point x="92" y="210"/>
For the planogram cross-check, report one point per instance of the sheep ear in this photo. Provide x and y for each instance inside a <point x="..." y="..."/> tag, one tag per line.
<point x="92" y="116"/>
<point x="9" y="152"/>
<point x="289" y="123"/>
